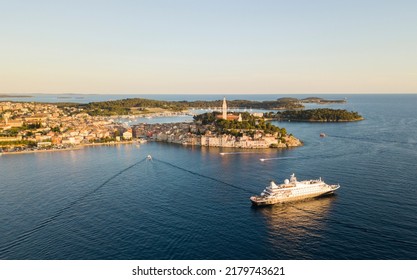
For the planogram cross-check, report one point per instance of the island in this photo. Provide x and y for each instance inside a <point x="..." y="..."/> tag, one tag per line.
<point x="319" y="100"/>
<point x="14" y="96"/>
<point x="315" y="115"/>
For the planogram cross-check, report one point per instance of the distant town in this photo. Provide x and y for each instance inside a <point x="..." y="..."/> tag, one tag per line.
<point x="30" y="127"/>
<point x="33" y="127"/>
<point x="36" y="126"/>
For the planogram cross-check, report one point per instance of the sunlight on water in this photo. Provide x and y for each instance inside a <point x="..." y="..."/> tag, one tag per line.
<point x="108" y="202"/>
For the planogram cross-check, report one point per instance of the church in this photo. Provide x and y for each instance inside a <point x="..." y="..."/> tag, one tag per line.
<point x="226" y="116"/>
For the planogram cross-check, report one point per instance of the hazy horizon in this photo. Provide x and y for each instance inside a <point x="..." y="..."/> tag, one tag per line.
<point x="216" y="93"/>
<point x="208" y="47"/>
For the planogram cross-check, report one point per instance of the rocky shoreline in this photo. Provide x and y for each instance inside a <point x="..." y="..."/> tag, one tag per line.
<point x="193" y="134"/>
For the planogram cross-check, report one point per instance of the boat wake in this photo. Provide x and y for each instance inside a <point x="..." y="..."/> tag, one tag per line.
<point x="276" y="158"/>
<point x="202" y="175"/>
<point x="237" y="153"/>
<point x="28" y="233"/>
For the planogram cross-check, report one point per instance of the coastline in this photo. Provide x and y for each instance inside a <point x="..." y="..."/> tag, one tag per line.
<point x="153" y="115"/>
<point x="75" y="121"/>
<point x="296" y="143"/>
<point x="108" y="143"/>
<point x="41" y="151"/>
<point x="79" y="147"/>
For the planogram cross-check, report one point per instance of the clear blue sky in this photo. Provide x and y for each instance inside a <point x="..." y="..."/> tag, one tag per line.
<point x="211" y="46"/>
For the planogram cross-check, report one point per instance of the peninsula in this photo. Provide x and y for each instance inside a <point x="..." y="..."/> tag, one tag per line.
<point x="221" y="129"/>
<point x="238" y="131"/>
<point x="141" y="106"/>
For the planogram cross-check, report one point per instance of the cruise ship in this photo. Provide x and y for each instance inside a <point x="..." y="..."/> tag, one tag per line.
<point x="292" y="190"/>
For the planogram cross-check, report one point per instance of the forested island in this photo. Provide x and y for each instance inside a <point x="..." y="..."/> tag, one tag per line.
<point x="315" y="115"/>
<point x="319" y="100"/>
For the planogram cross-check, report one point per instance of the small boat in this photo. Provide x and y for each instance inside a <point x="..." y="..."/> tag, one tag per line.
<point x="149" y="157"/>
<point x="322" y="135"/>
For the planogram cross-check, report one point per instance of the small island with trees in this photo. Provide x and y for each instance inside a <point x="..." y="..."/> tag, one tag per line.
<point x="319" y="100"/>
<point x="315" y="115"/>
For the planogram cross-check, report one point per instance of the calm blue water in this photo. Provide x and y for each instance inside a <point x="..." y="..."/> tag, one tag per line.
<point x="192" y="203"/>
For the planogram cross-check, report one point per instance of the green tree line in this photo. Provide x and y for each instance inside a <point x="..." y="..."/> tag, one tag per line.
<point x="123" y="106"/>
<point x="248" y="123"/>
<point x="319" y="115"/>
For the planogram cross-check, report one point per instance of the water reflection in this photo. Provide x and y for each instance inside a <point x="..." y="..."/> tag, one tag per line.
<point x="290" y="225"/>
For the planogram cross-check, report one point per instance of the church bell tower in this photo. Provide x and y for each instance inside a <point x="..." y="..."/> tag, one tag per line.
<point x="224" y="115"/>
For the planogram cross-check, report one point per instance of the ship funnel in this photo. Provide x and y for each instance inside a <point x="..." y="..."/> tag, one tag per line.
<point x="273" y="185"/>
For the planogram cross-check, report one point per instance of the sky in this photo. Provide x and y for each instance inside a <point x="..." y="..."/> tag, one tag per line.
<point x="208" y="46"/>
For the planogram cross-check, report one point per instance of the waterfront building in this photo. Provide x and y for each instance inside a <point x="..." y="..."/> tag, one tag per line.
<point x="43" y="144"/>
<point x="127" y="135"/>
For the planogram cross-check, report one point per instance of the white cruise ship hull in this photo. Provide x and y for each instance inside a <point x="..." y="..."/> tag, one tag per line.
<point x="292" y="190"/>
<point x="261" y="200"/>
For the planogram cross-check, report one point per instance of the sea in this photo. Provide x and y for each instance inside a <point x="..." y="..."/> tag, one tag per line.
<point x="110" y="202"/>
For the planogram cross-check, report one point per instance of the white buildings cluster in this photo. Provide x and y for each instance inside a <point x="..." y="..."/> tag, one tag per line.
<point x="205" y="135"/>
<point x="47" y="125"/>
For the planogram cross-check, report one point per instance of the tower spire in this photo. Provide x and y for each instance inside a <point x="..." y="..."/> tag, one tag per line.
<point x="224" y="115"/>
